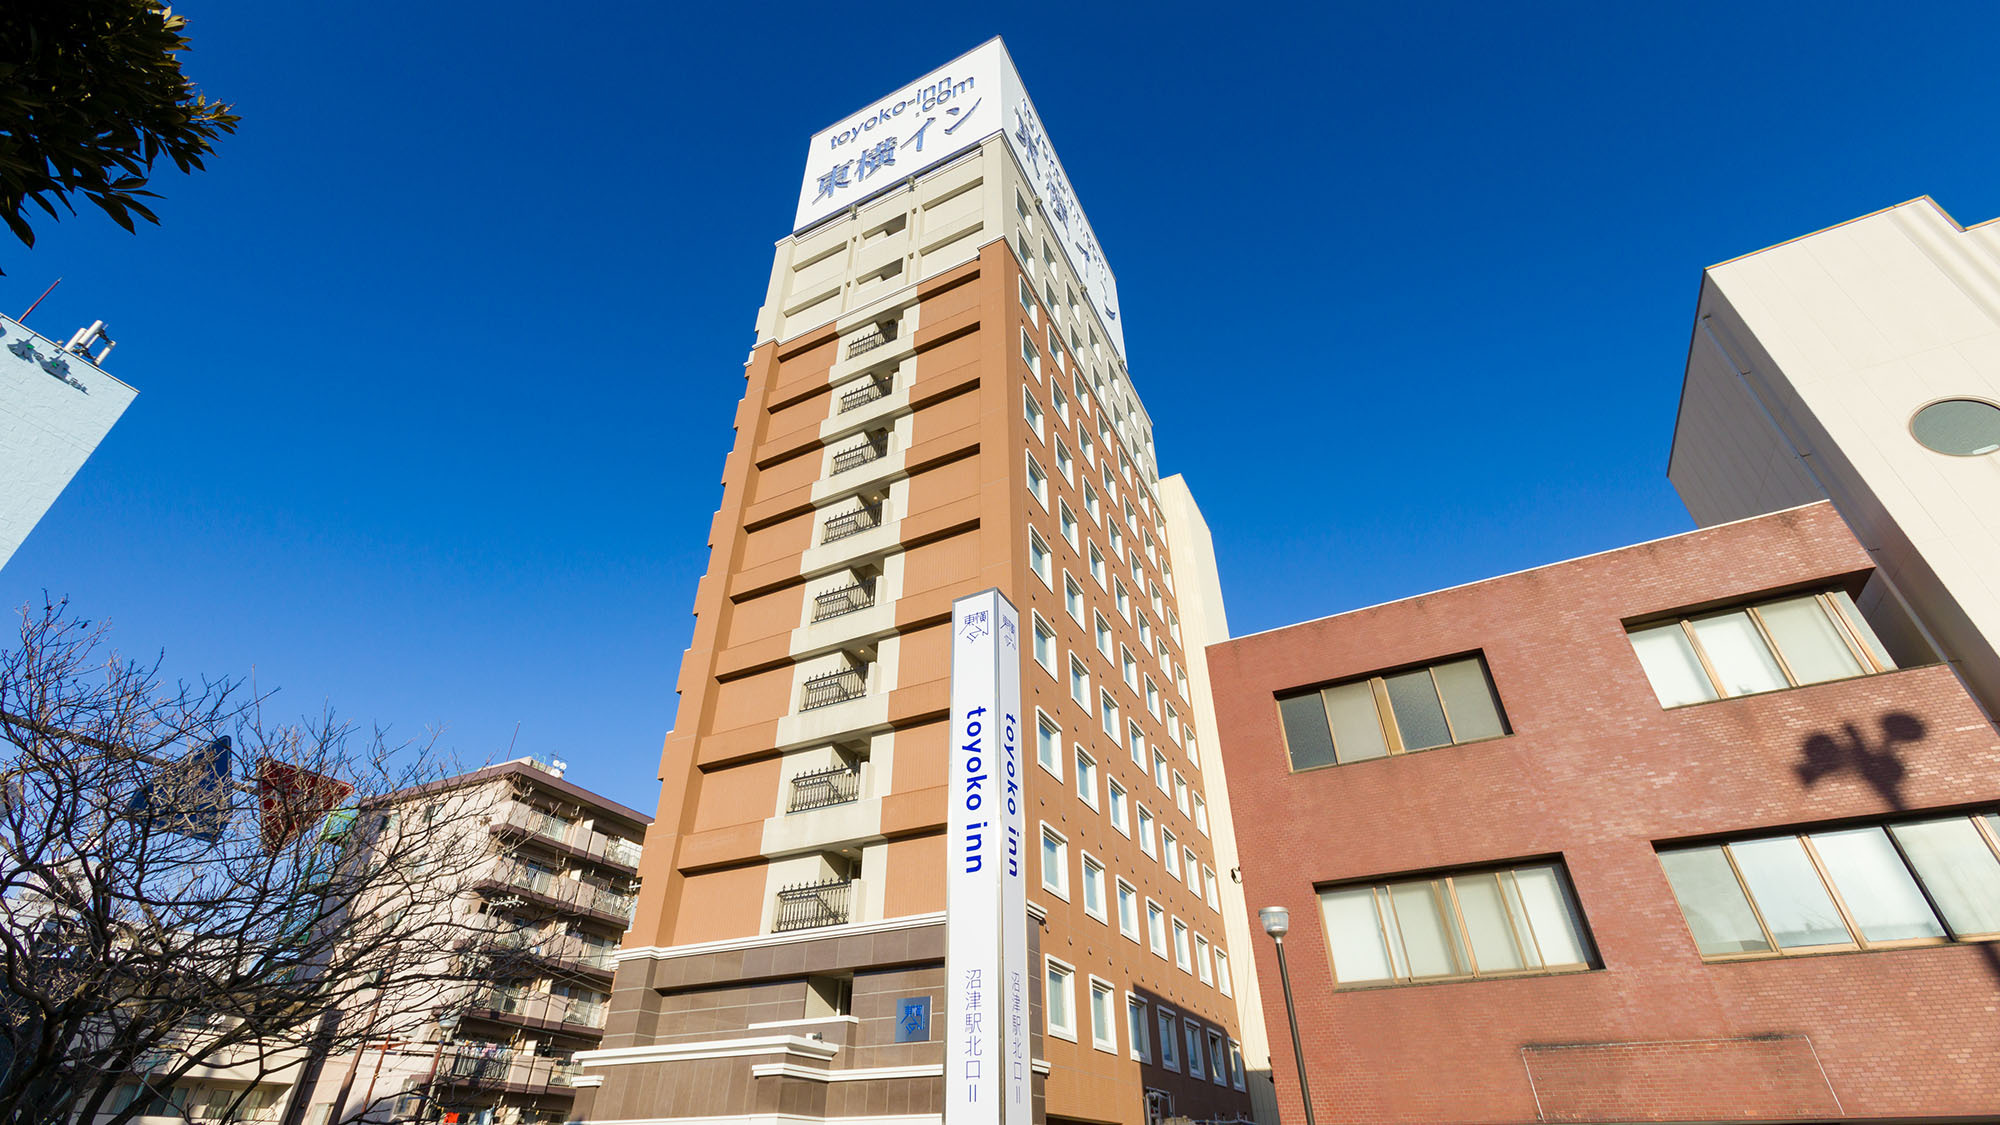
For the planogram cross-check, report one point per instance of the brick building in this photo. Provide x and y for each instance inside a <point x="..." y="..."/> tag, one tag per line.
<point x="1689" y="839"/>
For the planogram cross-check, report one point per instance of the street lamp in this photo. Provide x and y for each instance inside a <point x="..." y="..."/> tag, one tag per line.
<point x="1277" y="922"/>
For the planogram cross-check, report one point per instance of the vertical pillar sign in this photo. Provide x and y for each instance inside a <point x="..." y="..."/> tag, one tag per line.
<point x="986" y="944"/>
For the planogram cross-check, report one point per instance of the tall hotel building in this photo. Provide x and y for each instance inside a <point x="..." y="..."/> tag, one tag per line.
<point x="938" y="404"/>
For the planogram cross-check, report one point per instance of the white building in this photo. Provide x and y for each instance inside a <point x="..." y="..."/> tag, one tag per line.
<point x="56" y="404"/>
<point x="1861" y="364"/>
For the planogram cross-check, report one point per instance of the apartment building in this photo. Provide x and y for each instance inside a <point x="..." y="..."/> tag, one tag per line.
<point x="1861" y="365"/>
<point x="56" y="404"/>
<point x="1684" y="831"/>
<point x="938" y="404"/>
<point x="546" y="911"/>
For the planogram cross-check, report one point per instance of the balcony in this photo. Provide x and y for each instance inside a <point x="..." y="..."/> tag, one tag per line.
<point x="566" y="834"/>
<point x="834" y="687"/>
<point x="563" y="893"/>
<point x="520" y="1005"/>
<point x="504" y="1068"/>
<point x="837" y="785"/>
<point x="847" y="599"/>
<point x="865" y="342"/>
<point x="851" y="523"/>
<point x="867" y="392"/>
<point x="812" y="905"/>
<point x="872" y="448"/>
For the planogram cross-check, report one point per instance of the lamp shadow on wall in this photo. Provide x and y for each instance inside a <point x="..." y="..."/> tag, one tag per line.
<point x="1880" y="763"/>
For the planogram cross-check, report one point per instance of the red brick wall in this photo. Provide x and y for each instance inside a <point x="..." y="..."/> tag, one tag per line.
<point x="1596" y="772"/>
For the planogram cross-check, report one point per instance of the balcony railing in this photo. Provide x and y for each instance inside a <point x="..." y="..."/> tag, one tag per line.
<point x="852" y="523"/>
<point x="866" y="342"/>
<point x="836" y="785"/>
<point x="834" y="687"/>
<point x="811" y="905"/>
<point x="872" y="449"/>
<point x="569" y="892"/>
<point x="543" y="1007"/>
<point x="621" y="851"/>
<point x="867" y="392"/>
<point x="501" y="1065"/>
<point x="847" y="599"/>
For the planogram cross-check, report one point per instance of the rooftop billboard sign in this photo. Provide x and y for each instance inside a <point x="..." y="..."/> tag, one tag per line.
<point x="938" y="116"/>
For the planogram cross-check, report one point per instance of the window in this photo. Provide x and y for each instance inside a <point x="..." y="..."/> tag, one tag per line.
<point x="1238" y="1078"/>
<point x="1222" y="980"/>
<point x="1045" y="644"/>
<point x="1116" y="792"/>
<point x="1960" y="427"/>
<point x="1065" y="465"/>
<point x="1038" y="482"/>
<point x="1135" y="1028"/>
<point x="1152" y="698"/>
<point x="1097" y="570"/>
<point x="1083" y="442"/>
<point x="1062" y="403"/>
<point x="1146" y="842"/>
<point x="1441" y="705"/>
<point x="1090" y="502"/>
<point x="1201" y="969"/>
<point x="1048" y="743"/>
<point x="1055" y="863"/>
<point x="1193" y="1048"/>
<point x="1079" y="681"/>
<point x="1193" y="864"/>
<point x="1218" y="1062"/>
<point x="1038" y="559"/>
<point x="1128" y="910"/>
<point x="1086" y="777"/>
<point x="1122" y="599"/>
<point x="1066" y="520"/>
<point x="1918" y="882"/>
<point x="1107" y="709"/>
<point x="1182" y="958"/>
<point x="1169" y="1036"/>
<point x="1789" y="642"/>
<point x="1156" y="927"/>
<point x="1475" y="924"/>
<point x="1173" y="724"/>
<point x="1211" y="889"/>
<point x="1160" y="772"/>
<point x="1103" y="1016"/>
<point x="1181" y="794"/>
<point x="1058" y="998"/>
<point x="1030" y="356"/>
<point x="1200" y="815"/>
<point x="1055" y="341"/>
<point x="1170" y="853"/>
<point x="1028" y="301"/>
<point x="1128" y="667"/>
<point x="1136" y="738"/>
<point x="1032" y="410"/>
<point x="1072" y="597"/>
<point x="1103" y="634"/>
<point x="1093" y="888"/>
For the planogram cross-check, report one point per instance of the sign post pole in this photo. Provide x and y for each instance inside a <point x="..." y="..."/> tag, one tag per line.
<point x="986" y="1071"/>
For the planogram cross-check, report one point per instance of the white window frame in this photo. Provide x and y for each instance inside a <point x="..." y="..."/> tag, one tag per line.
<point x="1068" y="972"/>
<point x="1202" y="971"/>
<point x="1170" y="853"/>
<point x="1169" y="1024"/>
<point x="1141" y="1047"/>
<point x="1098" y="985"/>
<point x="1090" y="863"/>
<point x="1118" y="810"/>
<point x="1181" y="795"/>
<point x="1120" y="887"/>
<point x="1147" y="827"/>
<point x="1156" y="936"/>
<point x="1038" y="481"/>
<point x="1046" y="571"/>
<point x="1108" y="714"/>
<point x="1183" y="951"/>
<point x="1086" y="782"/>
<point x="1041" y="717"/>
<point x="1031" y="356"/>
<point x="1074" y="602"/>
<point x="1042" y="628"/>
<point x="1066" y="524"/>
<point x="1161" y="771"/>
<point x="1080" y="694"/>
<point x="1101" y="631"/>
<point x="1031" y="411"/>
<point x="1059" y="889"/>
<point x="1200" y="815"/>
<point x="1223" y="982"/>
<point x="1211" y="888"/>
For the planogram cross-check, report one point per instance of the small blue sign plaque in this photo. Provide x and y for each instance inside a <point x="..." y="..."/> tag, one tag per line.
<point x="913" y="1019"/>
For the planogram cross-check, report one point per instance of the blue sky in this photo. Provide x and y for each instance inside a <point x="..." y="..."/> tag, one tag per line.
<point x="438" y="360"/>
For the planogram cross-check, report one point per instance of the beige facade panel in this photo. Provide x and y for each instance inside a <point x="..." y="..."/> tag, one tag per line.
<point x="1807" y="366"/>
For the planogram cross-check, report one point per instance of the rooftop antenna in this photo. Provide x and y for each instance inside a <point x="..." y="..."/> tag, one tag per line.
<point x="45" y="295"/>
<point x="516" y="738"/>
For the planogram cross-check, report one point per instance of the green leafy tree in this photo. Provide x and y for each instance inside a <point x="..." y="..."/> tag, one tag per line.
<point x="91" y="94"/>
